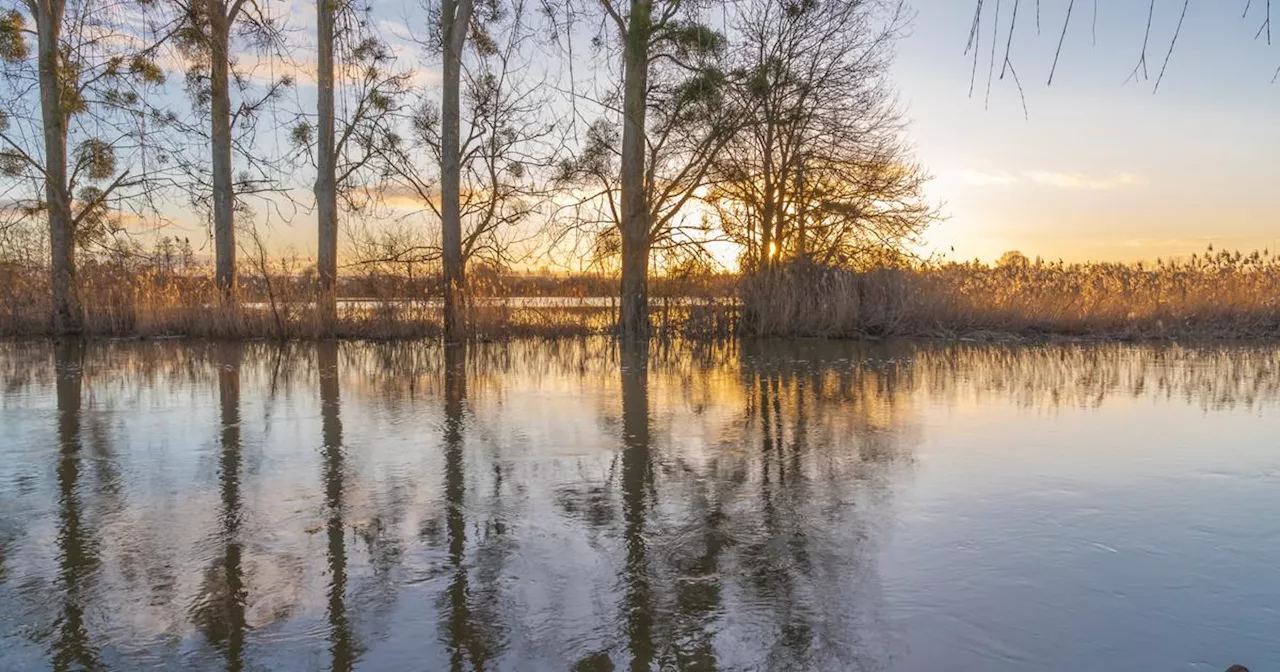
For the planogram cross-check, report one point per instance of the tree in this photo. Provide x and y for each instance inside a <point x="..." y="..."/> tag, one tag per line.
<point x="455" y="21"/>
<point x="326" y="172"/>
<point x="1013" y="259"/>
<point x="206" y="36"/>
<point x="85" y="78"/>
<point x="673" y="121"/>
<point x="504" y="143"/>
<point x="820" y="170"/>
<point x="369" y="88"/>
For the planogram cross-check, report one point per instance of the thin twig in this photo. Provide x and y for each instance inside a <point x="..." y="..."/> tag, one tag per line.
<point x="1061" y="38"/>
<point x="1008" y="46"/>
<point x="1176" y="32"/>
<point x="975" y="39"/>
<point x="991" y="67"/>
<point x="1146" y="39"/>
<point x="1095" y="23"/>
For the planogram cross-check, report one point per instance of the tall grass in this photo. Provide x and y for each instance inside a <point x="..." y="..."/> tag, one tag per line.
<point x="140" y="300"/>
<point x="1215" y="295"/>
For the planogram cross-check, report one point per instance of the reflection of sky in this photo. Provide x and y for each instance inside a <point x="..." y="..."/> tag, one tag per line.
<point x="884" y="506"/>
<point x="1106" y="538"/>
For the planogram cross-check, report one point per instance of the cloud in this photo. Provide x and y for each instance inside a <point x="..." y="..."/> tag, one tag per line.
<point x="1057" y="180"/>
<point x="984" y="179"/>
<point x="1082" y="181"/>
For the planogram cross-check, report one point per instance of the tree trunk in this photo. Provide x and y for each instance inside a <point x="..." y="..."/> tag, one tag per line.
<point x="326" y="187"/>
<point x="68" y="315"/>
<point x="766" y="229"/>
<point x="801" y="200"/>
<point x="224" y="231"/>
<point x="455" y="19"/>
<point x="633" y="314"/>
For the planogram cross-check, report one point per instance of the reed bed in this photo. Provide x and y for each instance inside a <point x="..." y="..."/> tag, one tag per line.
<point x="143" y="301"/>
<point x="1214" y="295"/>
<point x="1217" y="295"/>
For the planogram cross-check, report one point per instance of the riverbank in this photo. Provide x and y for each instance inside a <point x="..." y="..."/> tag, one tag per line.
<point x="1212" y="297"/>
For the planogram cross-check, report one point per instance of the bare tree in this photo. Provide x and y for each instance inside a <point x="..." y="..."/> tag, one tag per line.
<point x="326" y="172"/>
<point x="345" y="143"/>
<point x="505" y="143"/>
<point x="207" y="37"/>
<point x="455" y="22"/>
<point x="82" y="88"/>
<point x="674" y="119"/>
<point x="820" y="169"/>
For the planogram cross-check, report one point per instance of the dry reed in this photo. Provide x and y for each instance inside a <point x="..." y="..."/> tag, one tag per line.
<point x="1215" y="295"/>
<point x="135" y="300"/>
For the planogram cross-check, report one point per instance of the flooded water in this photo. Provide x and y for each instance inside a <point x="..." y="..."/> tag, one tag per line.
<point x="588" y="506"/>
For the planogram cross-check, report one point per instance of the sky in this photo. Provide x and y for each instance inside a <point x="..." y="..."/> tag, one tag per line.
<point x="1096" y="168"/>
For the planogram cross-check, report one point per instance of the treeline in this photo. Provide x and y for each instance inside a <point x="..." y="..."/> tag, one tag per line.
<point x="634" y="136"/>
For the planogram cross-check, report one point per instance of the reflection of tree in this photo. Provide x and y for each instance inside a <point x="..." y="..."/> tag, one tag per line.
<point x="473" y="611"/>
<point x="637" y="478"/>
<point x="698" y="590"/>
<point x="77" y="551"/>
<point x="220" y="613"/>
<point x="340" y="640"/>
<point x="742" y="502"/>
<point x="828" y="429"/>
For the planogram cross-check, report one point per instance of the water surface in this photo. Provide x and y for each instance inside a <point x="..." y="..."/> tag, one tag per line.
<point x="581" y="505"/>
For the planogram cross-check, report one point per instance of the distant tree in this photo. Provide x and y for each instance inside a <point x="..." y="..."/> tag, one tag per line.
<point x="1013" y="259"/>
<point x="674" y="120"/>
<point x="80" y="85"/>
<point x="820" y="169"/>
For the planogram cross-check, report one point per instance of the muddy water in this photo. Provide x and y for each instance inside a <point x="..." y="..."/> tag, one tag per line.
<point x="588" y="506"/>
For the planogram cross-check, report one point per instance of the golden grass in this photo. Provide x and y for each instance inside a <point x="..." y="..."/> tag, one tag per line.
<point x="141" y="301"/>
<point x="1216" y="295"/>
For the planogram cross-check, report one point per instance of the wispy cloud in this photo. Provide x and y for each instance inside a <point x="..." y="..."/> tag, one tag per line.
<point x="988" y="179"/>
<point x="1047" y="178"/>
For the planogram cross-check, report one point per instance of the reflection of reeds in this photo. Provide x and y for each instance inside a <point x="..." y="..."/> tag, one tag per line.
<point x="704" y="373"/>
<point x="1213" y="296"/>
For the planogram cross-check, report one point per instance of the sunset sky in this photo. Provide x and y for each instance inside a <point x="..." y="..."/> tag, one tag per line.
<point x="1098" y="169"/>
